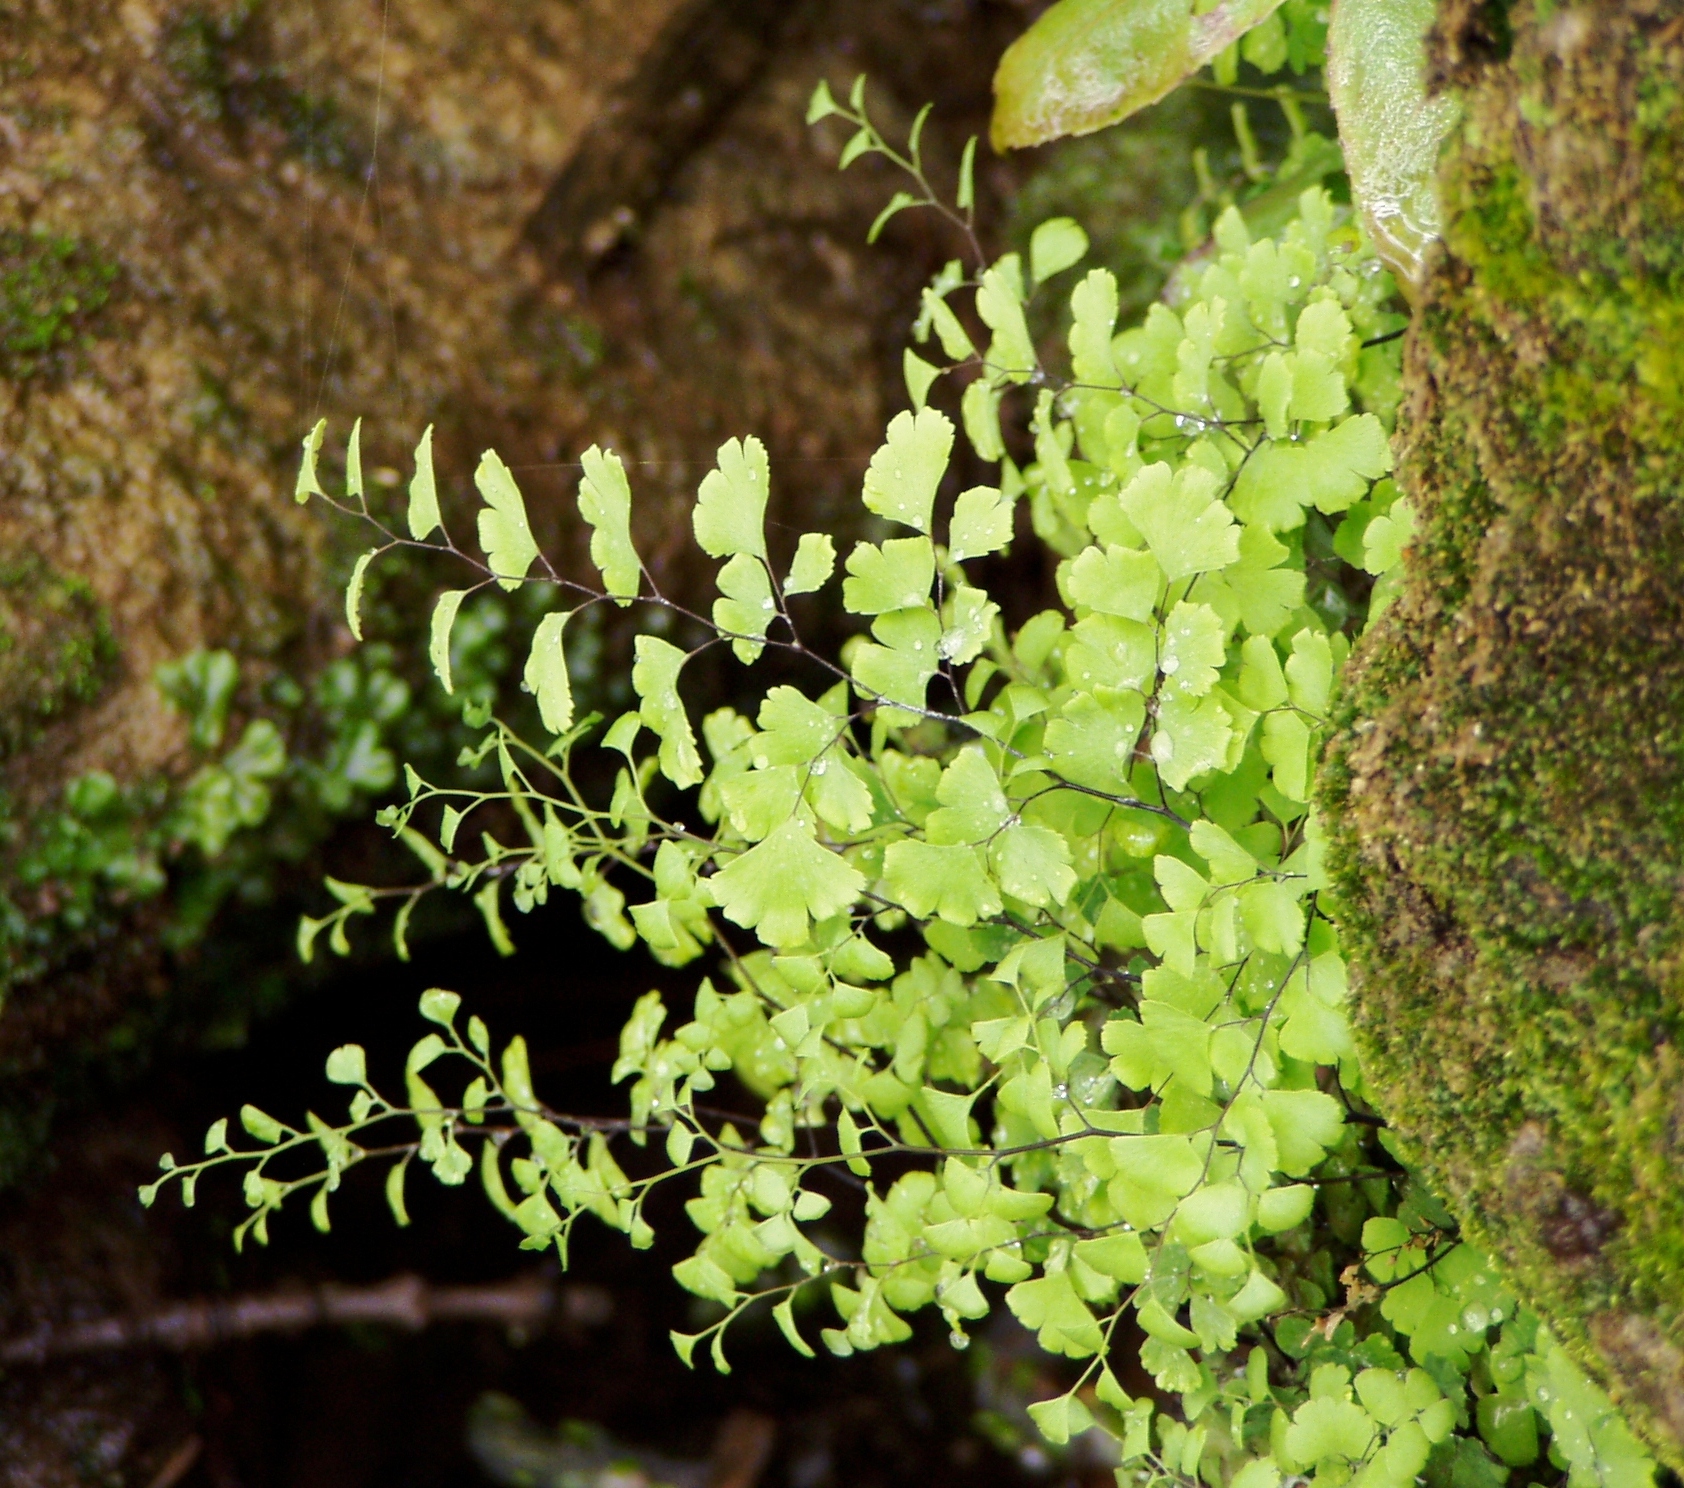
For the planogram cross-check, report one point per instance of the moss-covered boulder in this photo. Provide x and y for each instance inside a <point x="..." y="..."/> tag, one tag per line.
<point x="1507" y="790"/>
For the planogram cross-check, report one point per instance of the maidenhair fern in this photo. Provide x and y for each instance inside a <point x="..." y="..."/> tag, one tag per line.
<point x="1116" y="1085"/>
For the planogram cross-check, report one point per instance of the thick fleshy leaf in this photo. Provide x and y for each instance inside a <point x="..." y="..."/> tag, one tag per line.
<point x="1088" y="63"/>
<point x="1389" y="129"/>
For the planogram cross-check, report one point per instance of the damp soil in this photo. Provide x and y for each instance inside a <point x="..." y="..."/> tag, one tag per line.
<point x="357" y="1407"/>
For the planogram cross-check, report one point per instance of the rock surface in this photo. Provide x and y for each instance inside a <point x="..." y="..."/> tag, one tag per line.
<point x="535" y="227"/>
<point x="1507" y="791"/>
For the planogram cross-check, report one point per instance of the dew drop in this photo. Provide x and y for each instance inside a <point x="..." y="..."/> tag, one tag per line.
<point x="820" y="766"/>
<point x="760" y="762"/>
<point x="917" y="645"/>
<point x="1172" y="665"/>
<point x="1291" y="283"/>
<point x="1163" y="748"/>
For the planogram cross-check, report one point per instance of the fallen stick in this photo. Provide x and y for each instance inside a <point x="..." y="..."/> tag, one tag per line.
<point x="403" y="1302"/>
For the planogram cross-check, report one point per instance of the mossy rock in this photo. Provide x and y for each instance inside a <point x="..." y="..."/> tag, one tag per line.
<point x="196" y="262"/>
<point x="1506" y="792"/>
<point x="56" y="649"/>
<point x="52" y="289"/>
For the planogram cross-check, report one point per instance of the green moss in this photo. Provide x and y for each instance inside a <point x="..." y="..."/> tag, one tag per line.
<point x="1507" y="789"/>
<point x="56" y="649"/>
<point x="52" y="288"/>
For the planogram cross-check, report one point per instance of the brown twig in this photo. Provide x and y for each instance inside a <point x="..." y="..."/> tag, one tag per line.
<point x="405" y="1302"/>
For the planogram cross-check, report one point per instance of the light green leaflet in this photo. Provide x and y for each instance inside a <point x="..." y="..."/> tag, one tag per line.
<point x="970" y="621"/>
<point x="901" y="481"/>
<point x="730" y="514"/>
<point x="942" y="882"/>
<point x="354" y="593"/>
<point x="950" y="332"/>
<point x="503" y="529"/>
<point x="438" y="643"/>
<point x="423" y="490"/>
<point x="920" y="376"/>
<point x="894" y="576"/>
<point x="308" y="485"/>
<point x="354" y="461"/>
<point x="605" y="502"/>
<point x="1187" y="529"/>
<point x="999" y="301"/>
<point x="1390" y="130"/>
<point x="782" y="884"/>
<point x="655" y="680"/>
<point x="745" y="607"/>
<point x="980" y="409"/>
<point x="815" y="560"/>
<point x="1088" y="63"/>
<point x="982" y="523"/>
<point x="546" y="674"/>
<point x="1056" y="245"/>
<point x="1093" y="320"/>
